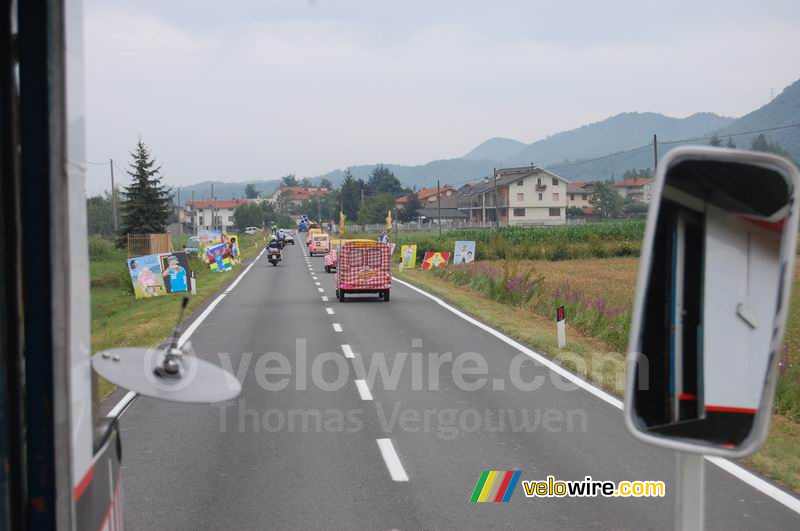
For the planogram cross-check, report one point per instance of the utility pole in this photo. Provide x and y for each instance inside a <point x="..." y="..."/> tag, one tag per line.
<point x="655" y="153"/>
<point x="212" y="207"/>
<point x="194" y="214"/>
<point x="113" y="195"/>
<point x="362" y="197"/>
<point x="319" y="210"/>
<point x="496" y="207"/>
<point x="439" y="205"/>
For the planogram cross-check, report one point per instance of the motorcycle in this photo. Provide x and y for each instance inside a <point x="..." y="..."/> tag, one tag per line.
<point x="274" y="255"/>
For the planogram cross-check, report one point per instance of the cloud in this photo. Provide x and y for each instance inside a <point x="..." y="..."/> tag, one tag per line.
<point x="251" y="89"/>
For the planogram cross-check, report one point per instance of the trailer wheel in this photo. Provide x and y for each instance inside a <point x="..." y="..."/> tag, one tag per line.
<point x="341" y="295"/>
<point x="327" y="269"/>
<point x="385" y="295"/>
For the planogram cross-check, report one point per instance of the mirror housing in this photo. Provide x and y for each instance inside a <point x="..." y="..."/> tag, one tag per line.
<point x="711" y="301"/>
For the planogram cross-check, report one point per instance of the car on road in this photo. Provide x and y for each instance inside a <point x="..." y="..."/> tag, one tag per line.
<point x="330" y="258"/>
<point x="310" y="234"/>
<point x="320" y="244"/>
<point x="288" y="236"/>
<point x="364" y="266"/>
<point x="251" y="230"/>
<point x="193" y="246"/>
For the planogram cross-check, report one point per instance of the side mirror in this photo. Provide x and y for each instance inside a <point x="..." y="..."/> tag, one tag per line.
<point x="172" y="372"/>
<point x="712" y="300"/>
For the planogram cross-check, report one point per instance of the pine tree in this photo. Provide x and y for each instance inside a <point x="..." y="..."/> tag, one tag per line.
<point x="146" y="204"/>
<point x="715" y="141"/>
<point x="730" y="144"/>
<point x="350" y="195"/>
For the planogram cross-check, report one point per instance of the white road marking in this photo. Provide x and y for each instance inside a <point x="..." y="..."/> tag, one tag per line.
<point x="321" y="290"/>
<point x="337" y="327"/>
<point x="392" y="460"/>
<point x="318" y="283"/>
<point x="329" y="310"/>
<point x="120" y="406"/>
<point x="348" y="352"/>
<point x="324" y="298"/>
<point x="363" y="390"/>
<point x="777" y="494"/>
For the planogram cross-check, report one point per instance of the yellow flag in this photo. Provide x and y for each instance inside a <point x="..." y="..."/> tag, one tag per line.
<point x="389" y="221"/>
<point x="342" y="218"/>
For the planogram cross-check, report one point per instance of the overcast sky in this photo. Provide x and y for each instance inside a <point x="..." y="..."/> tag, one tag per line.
<point x="254" y="89"/>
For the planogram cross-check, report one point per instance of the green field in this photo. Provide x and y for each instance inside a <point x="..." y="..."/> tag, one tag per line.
<point x="562" y="242"/>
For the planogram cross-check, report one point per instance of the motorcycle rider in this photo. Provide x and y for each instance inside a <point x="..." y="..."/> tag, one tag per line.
<point x="273" y="247"/>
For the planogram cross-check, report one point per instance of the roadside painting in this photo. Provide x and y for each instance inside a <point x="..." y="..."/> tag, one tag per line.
<point x="218" y="257"/>
<point x="146" y="276"/>
<point x="434" y="259"/>
<point x="209" y="236"/>
<point x="464" y="252"/>
<point x="409" y="255"/>
<point x="175" y="271"/>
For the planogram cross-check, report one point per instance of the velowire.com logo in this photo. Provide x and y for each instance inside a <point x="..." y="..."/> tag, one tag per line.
<point x="495" y="486"/>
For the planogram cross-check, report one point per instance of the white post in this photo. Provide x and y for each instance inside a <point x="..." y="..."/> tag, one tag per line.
<point x="193" y="284"/>
<point x="561" y="327"/>
<point x="690" y="496"/>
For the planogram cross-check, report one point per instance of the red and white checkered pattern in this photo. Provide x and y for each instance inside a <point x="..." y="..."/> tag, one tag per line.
<point x="330" y="258"/>
<point x="364" y="266"/>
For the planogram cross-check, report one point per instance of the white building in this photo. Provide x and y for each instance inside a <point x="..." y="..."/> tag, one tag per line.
<point x="213" y="214"/>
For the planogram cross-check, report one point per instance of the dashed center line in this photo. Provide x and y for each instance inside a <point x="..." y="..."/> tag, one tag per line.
<point x="337" y="327"/>
<point x="318" y="283"/>
<point x="324" y="298"/>
<point x="321" y="290"/>
<point x="329" y="310"/>
<point x="348" y="352"/>
<point x="392" y="460"/>
<point x="363" y="390"/>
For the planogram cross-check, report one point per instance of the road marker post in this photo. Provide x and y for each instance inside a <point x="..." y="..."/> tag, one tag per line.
<point x="561" y="327"/>
<point x="193" y="282"/>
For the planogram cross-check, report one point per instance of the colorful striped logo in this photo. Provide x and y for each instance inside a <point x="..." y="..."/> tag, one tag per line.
<point x="495" y="486"/>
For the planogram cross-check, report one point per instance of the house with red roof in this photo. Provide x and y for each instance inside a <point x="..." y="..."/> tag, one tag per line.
<point x="428" y="196"/>
<point x="637" y="189"/>
<point x="213" y="214"/>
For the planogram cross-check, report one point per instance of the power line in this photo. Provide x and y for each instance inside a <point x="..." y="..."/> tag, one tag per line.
<point x="668" y="142"/>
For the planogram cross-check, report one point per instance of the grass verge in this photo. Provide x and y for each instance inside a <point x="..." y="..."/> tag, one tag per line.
<point x="121" y="320"/>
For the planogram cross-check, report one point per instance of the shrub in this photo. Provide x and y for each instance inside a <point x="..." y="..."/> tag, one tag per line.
<point x="100" y="248"/>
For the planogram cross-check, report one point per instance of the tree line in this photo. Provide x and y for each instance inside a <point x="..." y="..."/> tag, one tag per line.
<point x="362" y="201"/>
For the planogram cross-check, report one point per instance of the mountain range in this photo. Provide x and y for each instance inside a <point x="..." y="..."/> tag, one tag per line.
<point x="571" y="153"/>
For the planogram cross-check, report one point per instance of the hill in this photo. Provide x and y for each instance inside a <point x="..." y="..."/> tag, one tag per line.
<point x="618" y="133"/>
<point x="447" y="171"/>
<point x="784" y="109"/>
<point x="495" y="149"/>
<point x="229" y="190"/>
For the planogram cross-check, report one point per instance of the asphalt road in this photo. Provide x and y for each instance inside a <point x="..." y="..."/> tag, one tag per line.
<point x="253" y="465"/>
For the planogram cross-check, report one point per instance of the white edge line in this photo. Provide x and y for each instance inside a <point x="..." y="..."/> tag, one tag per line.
<point x="363" y="390"/>
<point x="583" y="384"/>
<point x="348" y="352"/>
<point x="777" y="494"/>
<point x="125" y="401"/>
<point x="121" y="405"/>
<point x="392" y="460"/>
<point x="337" y="327"/>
